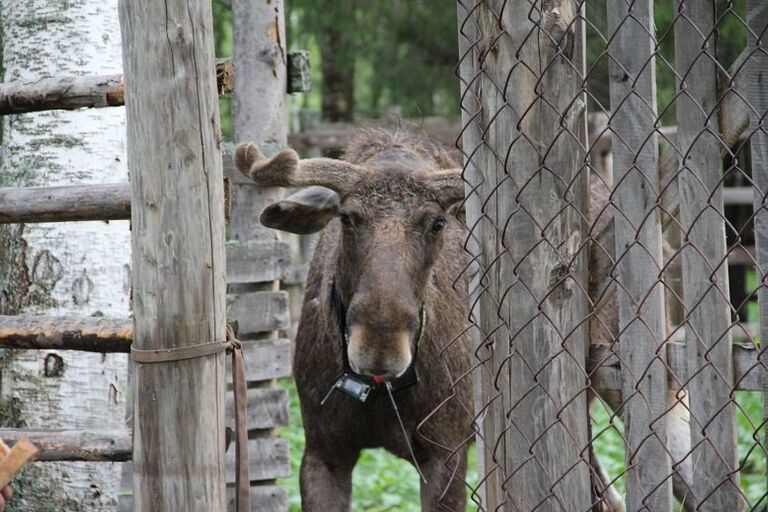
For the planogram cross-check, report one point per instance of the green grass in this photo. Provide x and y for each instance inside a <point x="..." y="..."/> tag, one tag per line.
<point x="384" y="483"/>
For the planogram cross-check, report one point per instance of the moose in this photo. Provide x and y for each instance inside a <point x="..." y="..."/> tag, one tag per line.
<point x="382" y="353"/>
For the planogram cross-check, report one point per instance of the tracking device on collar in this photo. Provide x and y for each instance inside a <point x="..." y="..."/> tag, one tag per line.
<point x="360" y="386"/>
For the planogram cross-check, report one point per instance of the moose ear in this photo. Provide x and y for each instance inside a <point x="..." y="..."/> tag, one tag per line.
<point x="305" y="212"/>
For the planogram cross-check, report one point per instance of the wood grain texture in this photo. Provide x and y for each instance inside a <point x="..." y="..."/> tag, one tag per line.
<point x="526" y="187"/>
<point x="267" y="407"/>
<point x="264" y="498"/>
<point x="638" y="243"/>
<point x="266" y="359"/>
<point x="256" y="261"/>
<point x="69" y="203"/>
<point x="489" y="478"/>
<point x="705" y="266"/>
<point x="257" y="312"/>
<point x="269" y="458"/>
<point x="179" y="274"/>
<point x="75" y="445"/>
<point x="757" y="96"/>
<point x="93" y="334"/>
<point x="75" y="92"/>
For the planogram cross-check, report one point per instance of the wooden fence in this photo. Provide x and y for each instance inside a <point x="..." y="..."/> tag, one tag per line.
<point x="624" y="239"/>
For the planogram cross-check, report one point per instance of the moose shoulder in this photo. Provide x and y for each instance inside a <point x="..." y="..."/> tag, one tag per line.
<point x="385" y="304"/>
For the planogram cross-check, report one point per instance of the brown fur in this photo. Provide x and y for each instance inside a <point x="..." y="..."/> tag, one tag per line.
<point x="337" y="431"/>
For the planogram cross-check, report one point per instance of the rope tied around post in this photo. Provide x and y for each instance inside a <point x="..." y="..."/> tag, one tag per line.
<point x="239" y="388"/>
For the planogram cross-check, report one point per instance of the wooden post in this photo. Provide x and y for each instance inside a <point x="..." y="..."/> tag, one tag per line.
<point x="705" y="271"/>
<point x="757" y="99"/>
<point x="638" y="254"/>
<point x="178" y="252"/>
<point x="260" y="115"/>
<point x="527" y="199"/>
<point x="489" y="489"/>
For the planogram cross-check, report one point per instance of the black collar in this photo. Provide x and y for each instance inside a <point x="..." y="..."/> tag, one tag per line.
<point x="351" y="382"/>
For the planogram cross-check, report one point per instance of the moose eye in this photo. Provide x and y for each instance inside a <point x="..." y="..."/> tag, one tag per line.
<point x="345" y="219"/>
<point x="438" y="225"/>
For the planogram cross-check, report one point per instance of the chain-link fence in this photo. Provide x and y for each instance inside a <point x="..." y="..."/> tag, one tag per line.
<point x="616" y="264"/>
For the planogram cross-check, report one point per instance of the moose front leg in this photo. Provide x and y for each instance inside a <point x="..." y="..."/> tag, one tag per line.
<point x="326" y="483"/>
<point x="445" y="488"/>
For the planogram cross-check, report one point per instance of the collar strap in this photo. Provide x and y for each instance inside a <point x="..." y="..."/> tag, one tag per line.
<point x="357" y="385"/>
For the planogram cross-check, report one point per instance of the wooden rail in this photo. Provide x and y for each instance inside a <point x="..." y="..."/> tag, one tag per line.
<point x="92" y="334"/>
<point x="75" y="92"/>
<point x="63" y="204"/>
<point x="75" y="445"/>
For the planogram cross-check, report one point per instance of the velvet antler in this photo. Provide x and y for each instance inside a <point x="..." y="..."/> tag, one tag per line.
<point x="285" y="169"/>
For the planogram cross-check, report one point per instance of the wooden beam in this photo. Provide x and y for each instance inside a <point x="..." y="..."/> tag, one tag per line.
<point x="63" y="204"/>
<point x="179" y="264"/>
<point x="75" y="445"/>
<point x="638" y="246"/>
<point x="92" y="334"/>
<point x="75" y="92"/>
<point x="747" y="372"/>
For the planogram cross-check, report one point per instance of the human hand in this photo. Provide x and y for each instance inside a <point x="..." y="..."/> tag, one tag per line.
<point x="5" y="496"/>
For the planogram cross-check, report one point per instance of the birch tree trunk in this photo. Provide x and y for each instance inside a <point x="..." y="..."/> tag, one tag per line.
<point x="77" y="269"/>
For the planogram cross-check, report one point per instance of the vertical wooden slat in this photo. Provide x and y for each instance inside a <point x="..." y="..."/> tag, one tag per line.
<point x="757" y="98"/>
<point x="705" y="270"/>
<point x="638" y="251"/>
<point x="177" y="222"/>
<point x="259" y="115"/>
<point x="526" y="137"/>
<point x="489" y="476"/>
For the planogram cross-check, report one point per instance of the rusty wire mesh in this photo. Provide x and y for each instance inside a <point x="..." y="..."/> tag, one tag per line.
<point x="613" y="158"/>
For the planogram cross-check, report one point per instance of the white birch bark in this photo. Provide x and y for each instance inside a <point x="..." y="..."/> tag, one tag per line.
<point x="73" y="268"/>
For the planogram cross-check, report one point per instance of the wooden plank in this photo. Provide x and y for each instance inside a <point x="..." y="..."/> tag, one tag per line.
<point x="266" y="359"/>
<point x="269" y="458"/>
<point x="62" y="204"/>
<point x="524" y="147"/>
<point x="267" y="407"/>
<point x="256" y="261"/>
<point x="639" y="255"/>
<point x="489" y="479"/>
<point x="264" y="498"/>
<point x="75" y="445"/>
<point x="75" y="92"/>
<point x="257" y="312"/>
<point x="715" y="481"/>
<point x="93" y="334"/>
<point x="179" y="265"/>
<point x="757" y="97"/>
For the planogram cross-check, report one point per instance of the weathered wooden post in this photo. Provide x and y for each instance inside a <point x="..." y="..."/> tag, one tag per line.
<point x="708" y="329"/>
<point x="524" y="139"/>
<point x="178" y="252"/>
<point x="757" y="99"/>
<point x="638" y="253"/>
<point x="256" y="302"/>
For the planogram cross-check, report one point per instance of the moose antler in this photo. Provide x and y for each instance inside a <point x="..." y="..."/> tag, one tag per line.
<point x="285" y="169"/>
<point x="447" y="184"/>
